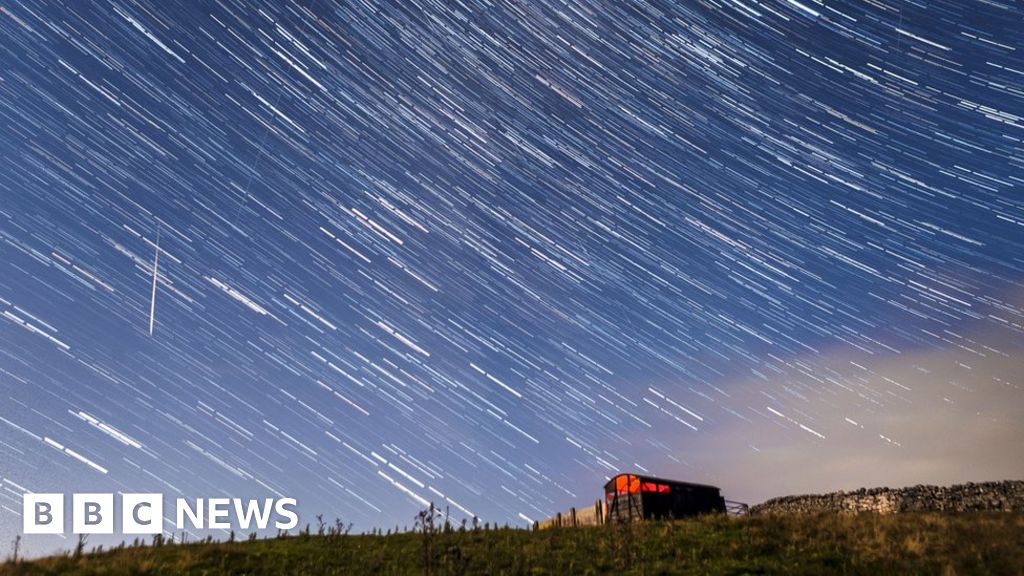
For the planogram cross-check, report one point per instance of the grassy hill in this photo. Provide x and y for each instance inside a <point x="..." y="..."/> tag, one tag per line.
<point x="913" y="543"/>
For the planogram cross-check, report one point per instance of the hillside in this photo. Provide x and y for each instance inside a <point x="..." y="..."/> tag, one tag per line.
<point x="912" y="543"/>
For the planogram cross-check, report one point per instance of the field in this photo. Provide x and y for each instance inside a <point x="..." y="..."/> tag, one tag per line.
<point x="913" y="543"/>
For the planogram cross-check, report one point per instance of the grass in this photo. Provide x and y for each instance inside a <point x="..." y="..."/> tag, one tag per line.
<point x="913" y="543"/>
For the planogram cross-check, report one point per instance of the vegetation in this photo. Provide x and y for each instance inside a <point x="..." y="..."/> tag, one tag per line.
<point x="912" y="543"/>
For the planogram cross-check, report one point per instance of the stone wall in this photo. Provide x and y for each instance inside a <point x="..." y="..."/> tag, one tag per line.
<point x="1003" y="496"/>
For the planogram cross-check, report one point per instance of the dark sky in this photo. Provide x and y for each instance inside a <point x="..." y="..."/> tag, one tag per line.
<point x="488" y="255"/>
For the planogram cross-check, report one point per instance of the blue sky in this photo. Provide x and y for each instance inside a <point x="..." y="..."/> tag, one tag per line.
<point x="488" y="255"/>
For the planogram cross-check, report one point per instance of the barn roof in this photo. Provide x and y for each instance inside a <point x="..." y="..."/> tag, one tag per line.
<point x="647" y="478"/>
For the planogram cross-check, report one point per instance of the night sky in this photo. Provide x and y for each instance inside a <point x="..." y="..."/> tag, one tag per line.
<point x="488" y="255"/>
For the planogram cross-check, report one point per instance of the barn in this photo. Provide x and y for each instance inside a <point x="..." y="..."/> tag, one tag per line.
<point x="630" y="497"/>
<point x="634" y="497"/>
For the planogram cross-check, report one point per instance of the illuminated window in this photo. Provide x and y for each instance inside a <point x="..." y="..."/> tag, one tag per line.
<point x="655" y="487"/>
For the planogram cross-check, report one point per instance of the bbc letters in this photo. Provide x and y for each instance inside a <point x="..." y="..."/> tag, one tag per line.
<point x="144" y="513"/>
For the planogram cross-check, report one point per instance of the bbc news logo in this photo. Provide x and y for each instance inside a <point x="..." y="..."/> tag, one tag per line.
<point x="144" y="513"/>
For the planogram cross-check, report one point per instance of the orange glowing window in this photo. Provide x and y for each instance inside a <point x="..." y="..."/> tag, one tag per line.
<point x="655" y="487"/>
<point x="627" y="484"/>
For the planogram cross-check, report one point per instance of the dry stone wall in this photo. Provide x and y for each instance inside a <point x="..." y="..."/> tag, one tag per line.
<point x="1001" y="496"/>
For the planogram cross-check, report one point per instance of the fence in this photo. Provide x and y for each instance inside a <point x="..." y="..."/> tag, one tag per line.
<point x="587" y="516"/>
<point x="736" y="508"/>
<point x="597" y="515"/>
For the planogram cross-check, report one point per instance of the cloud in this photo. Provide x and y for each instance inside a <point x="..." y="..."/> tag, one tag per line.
<point x="847" y="419"/>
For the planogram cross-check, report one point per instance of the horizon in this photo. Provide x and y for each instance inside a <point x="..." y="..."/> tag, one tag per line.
<point x="490" y="256"/>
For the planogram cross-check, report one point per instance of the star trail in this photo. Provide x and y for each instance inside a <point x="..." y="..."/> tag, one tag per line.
<point x="487" y="255"/>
